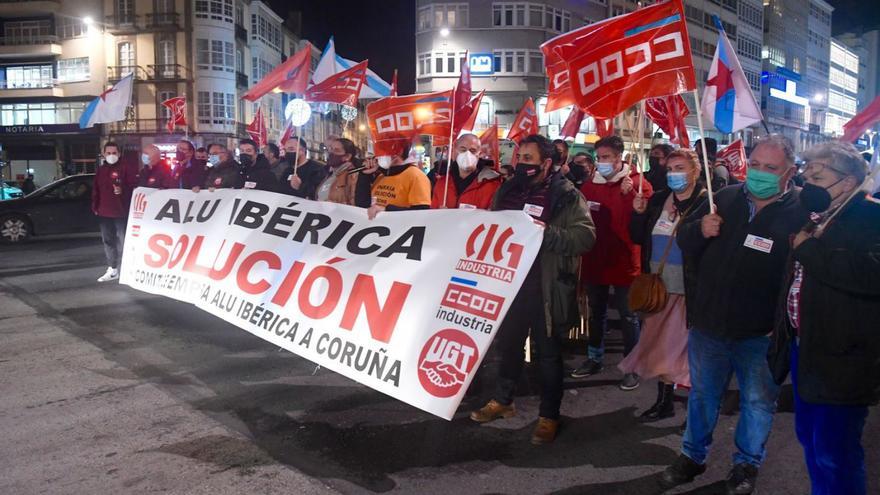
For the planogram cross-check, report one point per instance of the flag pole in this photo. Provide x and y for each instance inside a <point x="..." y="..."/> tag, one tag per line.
<point x="296" y="153"/>
<point x="449" y="149"/>
<point x="639" y="154"/>
<point x="703" y="146"/>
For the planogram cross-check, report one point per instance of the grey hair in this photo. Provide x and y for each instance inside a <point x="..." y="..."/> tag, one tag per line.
<point x="466" y="136"/>
<point x="781" y="142"/>
<point x="843" y="158"/>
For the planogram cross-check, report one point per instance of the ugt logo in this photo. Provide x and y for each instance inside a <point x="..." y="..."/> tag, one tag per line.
<point x="140" y="205"/>
<point x="486" y="249"/>
<point x="446" y="360"/>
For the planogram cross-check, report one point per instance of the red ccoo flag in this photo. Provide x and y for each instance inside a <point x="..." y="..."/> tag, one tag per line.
<point x="394" y="84"/>
<point x="466" y="117"/>
<point x="525" y="124"/>
<point x="292" y="76"/>
<point x="857" y="126"/>
<point x="572" y="123"/>
<point x="618" y="62"/>
<point x="604" y="127"/>
<point x="257" y="129"/>
<point x="177" y="107"/>
<point x="490" y="146"/>
<point x="395" y="121"/>
<point x="669" y="113"/>
<point x="463" y="88"/>
<point x="734" y="155"/>
<point x="342" y="88"/>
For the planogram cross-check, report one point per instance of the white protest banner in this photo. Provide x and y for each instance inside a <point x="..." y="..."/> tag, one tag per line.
<point x="406" y="304"/>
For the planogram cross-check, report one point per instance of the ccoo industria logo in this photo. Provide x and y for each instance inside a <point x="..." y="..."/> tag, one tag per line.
<point x="446" y="360"/>
<point x="140" y="204"/>
<point x="491" y="254"/>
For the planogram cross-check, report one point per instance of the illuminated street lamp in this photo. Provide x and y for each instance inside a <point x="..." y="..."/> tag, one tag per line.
<point x="444" y="32"/>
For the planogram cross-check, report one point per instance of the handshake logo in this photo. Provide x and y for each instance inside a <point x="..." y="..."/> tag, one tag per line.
<point x="445" y="362"/>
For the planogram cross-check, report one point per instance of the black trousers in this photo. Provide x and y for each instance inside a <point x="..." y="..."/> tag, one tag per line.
<point x="112" y="235"/>
<point x="526" y="315"/>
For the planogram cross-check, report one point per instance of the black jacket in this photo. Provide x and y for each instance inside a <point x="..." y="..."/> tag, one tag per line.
<point x="642" y="224"/>
<point x="224" y="176"/>
<point x="737" y="286"/>
<point x="312" y="174"/>
<point x="839" y="351"/>
<point x="259" y="176"/>
<point x="191" y="174"/>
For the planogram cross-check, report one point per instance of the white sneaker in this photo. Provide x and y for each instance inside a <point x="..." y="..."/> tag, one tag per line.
<point x="110" y="274"/>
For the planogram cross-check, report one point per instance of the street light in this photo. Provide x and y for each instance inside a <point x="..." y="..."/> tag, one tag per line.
<point x="444" y="32"/>
<point x="818" y="97"/>
<point x="88" y="21"/>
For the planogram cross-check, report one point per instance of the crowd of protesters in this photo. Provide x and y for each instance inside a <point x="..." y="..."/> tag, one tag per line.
<point x="771" y="280"/>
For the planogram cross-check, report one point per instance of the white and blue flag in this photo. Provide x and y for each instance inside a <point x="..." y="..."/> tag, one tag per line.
<point x="109" y="106"/>
<point x="331" y="63"/>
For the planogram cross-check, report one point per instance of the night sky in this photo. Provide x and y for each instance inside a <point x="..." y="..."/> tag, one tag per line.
<point x="382" y="31"/>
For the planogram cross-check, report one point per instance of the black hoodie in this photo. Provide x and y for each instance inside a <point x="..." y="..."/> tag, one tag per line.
<point x="259" y="176"/>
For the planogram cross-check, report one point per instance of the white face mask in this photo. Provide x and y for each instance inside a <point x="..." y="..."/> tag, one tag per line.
<point x="384" y="162"/>
<point x="111" y="159"/>
<point x="466" y="161"/>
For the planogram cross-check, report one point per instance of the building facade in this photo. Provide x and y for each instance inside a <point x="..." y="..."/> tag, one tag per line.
<point x="844" y="88"/>
<point x="56" y="56"/>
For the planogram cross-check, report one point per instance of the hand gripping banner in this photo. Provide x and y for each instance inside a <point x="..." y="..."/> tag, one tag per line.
<point x="406" y="304"/>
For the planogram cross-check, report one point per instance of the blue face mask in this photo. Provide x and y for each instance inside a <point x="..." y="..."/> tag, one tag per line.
<point x="213" y="159"/>
<point x="605" y="169"/>
<point x="677" y="181"/>
<point x="145" y="158"/>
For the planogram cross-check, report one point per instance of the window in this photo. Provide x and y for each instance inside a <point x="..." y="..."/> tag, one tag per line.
<point x="163" y="6"/>
<point x="26" y="32"/>
<point x="73" y="69"/>
<point x="424" y="64"/>
<point x="164" y="112"/>
<point x="41" y="113"/>
<point x="29" y="76"/>
<point x="774" y="55"/>
<point x="531" y="15"/>
<point x="215" y="55"/>
<point x="265" y="30"/>
<point x="819" y="14"/>
<point x="514" y="62"/>
<point x="217" y="10"/>
<point x="166" y="52"/>
<point x="748" y="48"/>
<point x="72" y="28"/>
<point x="215" y="107"/>
<point x="259" y="68"/>
<point x="125" y="10"/>
<point x="751" y="15"/>
<point x="125" y="56"/>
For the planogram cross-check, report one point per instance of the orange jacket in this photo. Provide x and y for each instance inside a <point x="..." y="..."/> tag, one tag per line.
<point x="477" y="195"/>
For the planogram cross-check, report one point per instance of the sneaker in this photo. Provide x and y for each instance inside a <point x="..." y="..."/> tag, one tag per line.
<point x="742" y="479"/>
<point x="110" y="274"/>
<point x="630" y="382"/>
<point x="682" y="471"/>
<point x="545" y="431"/>
<point x="590" y="367"/>
<point x="493" y="410"/>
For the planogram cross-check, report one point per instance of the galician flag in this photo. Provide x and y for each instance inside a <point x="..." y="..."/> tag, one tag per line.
<point x="109" y="106"/>
<point x="728" y="101"/>
<point x="331" y="63"/>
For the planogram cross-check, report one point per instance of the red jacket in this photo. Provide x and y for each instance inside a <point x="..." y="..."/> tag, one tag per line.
<point x="478" y="194"/>
<point x="614" y="259"/>
<point x="106" y="204"/>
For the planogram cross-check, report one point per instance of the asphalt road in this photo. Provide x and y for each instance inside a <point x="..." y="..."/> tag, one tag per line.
<point x="104" y="389"/>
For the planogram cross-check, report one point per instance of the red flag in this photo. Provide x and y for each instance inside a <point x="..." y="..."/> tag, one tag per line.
<point x="292" y="76"/>
<point x="394" y="121"/>
<point x="604" y="127"/>
<point x="463" y="88"/>
<point x="572" y="123"/>
<point x="490" y="145"/>
<point x="558" y="89"/>
<point x="466" y="117"/>
<point x="257" y="129"/>
<point x="618" y="62"/>
<point x="735" y="157"/>
<point x="288" y="132"/>
<point x="177" y="107"/>
<point x="857" y="126"/>
<point x="669" y="114"/>
<point x="342" y="87"/>
<point x="525" y="124"/>
<point x="394" y="84"/>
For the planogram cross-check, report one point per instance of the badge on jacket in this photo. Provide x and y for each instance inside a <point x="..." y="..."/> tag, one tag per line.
<point x="250" y="185"/>
<point x="218" y="181"/>
<point x="758" y="243"/>
<point x="533" y="210"/>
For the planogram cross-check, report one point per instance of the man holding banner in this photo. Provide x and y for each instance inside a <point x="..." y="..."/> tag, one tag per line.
<point x="546" y="305"/>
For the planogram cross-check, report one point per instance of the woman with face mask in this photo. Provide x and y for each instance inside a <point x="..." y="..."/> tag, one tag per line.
<point x="339" y="184"/>
<point x="472" y="181"/>
<point x="662" y="348"/>
<point x="827" y="329"/>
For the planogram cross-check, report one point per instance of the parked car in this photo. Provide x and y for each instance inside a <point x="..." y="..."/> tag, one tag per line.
<point x="10" y="190"/>
<point x="62" y="207"/>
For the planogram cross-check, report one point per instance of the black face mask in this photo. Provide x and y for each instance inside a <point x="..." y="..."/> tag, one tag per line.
<point x="654" y="162"/>
<point x="578" y="173"/>
<point x="246" y="160"/>
<point x="525" y="172"/>
<point x="816" y="198"/>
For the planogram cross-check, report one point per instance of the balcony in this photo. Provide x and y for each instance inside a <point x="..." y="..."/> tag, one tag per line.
<point x="168" y="72"/>
<point x="163" y="21"/>
<point x="19" y="8"/>
<point x="240" y="32"/>
<point x="117" y="72"/>
<point x="29" y="46"/>
<point x="140" y="126"/>
<point x="121" y="23"/>
<point x="30" y="89"/>
<point x="241" y="80"/>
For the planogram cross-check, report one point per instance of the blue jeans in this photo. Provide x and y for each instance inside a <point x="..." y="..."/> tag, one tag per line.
<point x="713" y="361"/>
<point x="832" y="440"/>
<point x="598" y="296"/>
